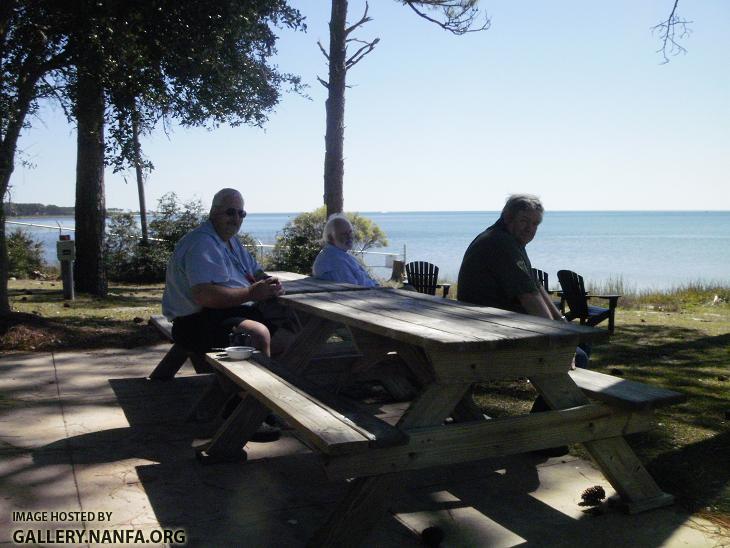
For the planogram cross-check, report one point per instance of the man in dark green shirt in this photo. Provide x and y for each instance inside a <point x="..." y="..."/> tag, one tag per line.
<point x="496" y="270"/>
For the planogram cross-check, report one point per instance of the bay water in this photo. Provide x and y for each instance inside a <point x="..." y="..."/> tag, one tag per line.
<point x="646" y="250"/>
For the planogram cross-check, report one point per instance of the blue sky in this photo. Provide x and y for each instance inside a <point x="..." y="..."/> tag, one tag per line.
<point x="567" y="100"/>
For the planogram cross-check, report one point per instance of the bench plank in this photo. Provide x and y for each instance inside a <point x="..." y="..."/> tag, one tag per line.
<point x="163" y="325"/>
<point x="325" y="420"/>
<point x="623" y="392"/>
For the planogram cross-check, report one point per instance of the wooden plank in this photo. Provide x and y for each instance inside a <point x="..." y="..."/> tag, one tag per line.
<point x="384" y="434"/>
<point x="418" y="362"/>
<point x="355" y="516"/>
<point x="559" y="391"/>
<point x="322" y="427"/>
<point x="170" y="363"/>
<point x="309" y="340"/>
<point x="465" y="442"/>
<point x="399" y="305"/>
<point x="228" y="442"/>
<point x="370" y="320"/>
<point x="627" y="475"/>
<point x="623" y="392"/>
<point x="163" y="325"/>
<point x="433" y="405"/>
<point x="315" y="285"/>
<point x="508" y="318"/>
<point x="325" y="421"/>
<point x="285" y="276"/>
<point x="510" y="363"/>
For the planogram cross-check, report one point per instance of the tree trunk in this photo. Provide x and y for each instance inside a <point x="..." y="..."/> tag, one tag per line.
<point x="4" y="298"/>
<point x="89" y="272"/>
<point x="335" y="106"/>
<point x="140" y="176"/>
<point x="16" y="114"/>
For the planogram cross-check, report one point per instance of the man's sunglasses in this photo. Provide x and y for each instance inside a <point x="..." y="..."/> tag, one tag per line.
<point x="232" y="211"/>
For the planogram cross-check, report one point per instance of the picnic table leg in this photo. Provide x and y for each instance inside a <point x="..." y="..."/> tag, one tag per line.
<point x="364" y="505"/>
<point x="314" y="334"/>
<point x="170" y="363"/>
<point x="614" y="457"/>
<point x="368" y="498"/>
<point x="622" y="468"/>
<point x="209" y="403"/>
<point x="374" y="350"/>
<point x="227" y="444"/>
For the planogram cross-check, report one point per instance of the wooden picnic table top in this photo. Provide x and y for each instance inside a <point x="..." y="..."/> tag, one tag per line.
<point x="308" y="284"/>
<point x="434" y="322"/>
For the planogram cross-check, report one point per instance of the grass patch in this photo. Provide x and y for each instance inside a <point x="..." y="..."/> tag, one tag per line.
<point x="44" y="321"/>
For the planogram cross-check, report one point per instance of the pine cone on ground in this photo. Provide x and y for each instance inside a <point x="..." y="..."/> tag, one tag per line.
<point x="593" y="496"/>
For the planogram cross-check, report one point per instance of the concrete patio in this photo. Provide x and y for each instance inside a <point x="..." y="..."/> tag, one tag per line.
<point x="86" y="432"/>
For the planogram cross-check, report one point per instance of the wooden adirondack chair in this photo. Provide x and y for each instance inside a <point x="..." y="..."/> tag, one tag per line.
<point x="575" y="294"/>
<point x="541" y="277"/>
<point x="424" y="276"/>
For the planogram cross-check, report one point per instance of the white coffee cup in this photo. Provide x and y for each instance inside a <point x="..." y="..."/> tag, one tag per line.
<point x="239" y="352"/>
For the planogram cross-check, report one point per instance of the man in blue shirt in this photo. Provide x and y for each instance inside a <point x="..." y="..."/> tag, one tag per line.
<point x="212" y="282"/>
<point x="334" y="263"/>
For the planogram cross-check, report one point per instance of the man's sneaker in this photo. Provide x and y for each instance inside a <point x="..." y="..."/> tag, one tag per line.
<point x="266" y="432"/>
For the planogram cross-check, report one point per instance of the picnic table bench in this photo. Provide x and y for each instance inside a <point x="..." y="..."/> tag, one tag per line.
<point x="449" y="347"/>
<point x="326" y="421"/>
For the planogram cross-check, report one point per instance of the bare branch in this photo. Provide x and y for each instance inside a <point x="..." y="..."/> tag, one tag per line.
<point x="321" y="48"/>
<point x="364" y="19"/>
<point x="459" y="16"/>
<point x="360" y="53"/>
<point x="670" y="32"/>
<point x="323" y="82"/>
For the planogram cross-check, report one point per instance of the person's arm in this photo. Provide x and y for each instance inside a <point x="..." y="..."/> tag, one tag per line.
<point x="218" y="296"/>
<point x="540" y="304"/>
<point x="554" y="312"/>
<point x="534" y="304"/>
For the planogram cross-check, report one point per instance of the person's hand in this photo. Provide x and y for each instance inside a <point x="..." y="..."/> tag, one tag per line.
<point x="266" y="289"/>
<point x="276" y="286"/>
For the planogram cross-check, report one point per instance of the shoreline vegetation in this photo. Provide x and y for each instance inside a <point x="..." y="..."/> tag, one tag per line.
<point x="678" y="339"/>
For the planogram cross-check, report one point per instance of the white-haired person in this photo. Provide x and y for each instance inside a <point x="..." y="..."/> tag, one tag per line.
<point x="334" y="263"/>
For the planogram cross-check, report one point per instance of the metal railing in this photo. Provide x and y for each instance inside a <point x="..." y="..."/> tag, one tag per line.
<point x="261" y="248"/>
<point x="59" y="227"/>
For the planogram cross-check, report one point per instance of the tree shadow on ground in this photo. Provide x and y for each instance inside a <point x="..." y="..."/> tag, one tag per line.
<point x="20" y="331"/>
<point x="678" y="358"/>
<point x="703" y="464"/>
<point x="117" y="297"/>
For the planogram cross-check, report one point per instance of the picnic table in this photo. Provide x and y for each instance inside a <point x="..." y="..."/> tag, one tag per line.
<point x="449" y="347"/>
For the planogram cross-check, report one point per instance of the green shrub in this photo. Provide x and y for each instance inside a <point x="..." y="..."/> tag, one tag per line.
<point x="173" y="220"/>
<point x="25" y="255"/>
<point x="130" y="260"/>
<point x="127" y="258"/>
<point x="301" y="240"/>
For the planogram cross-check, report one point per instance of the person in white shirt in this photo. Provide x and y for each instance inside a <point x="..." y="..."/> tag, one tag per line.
<point x="334" y="263"/>
<point x="212" y="282"/>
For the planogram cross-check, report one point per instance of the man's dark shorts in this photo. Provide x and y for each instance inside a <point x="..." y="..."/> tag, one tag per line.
<point x="211" y="327"/>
